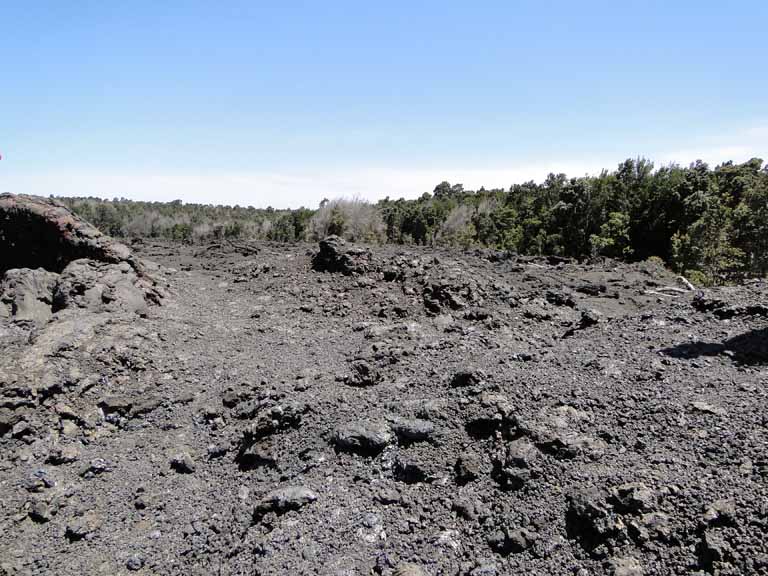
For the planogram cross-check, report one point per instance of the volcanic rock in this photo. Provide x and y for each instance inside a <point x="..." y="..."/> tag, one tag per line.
<point x="27" y="295"/>
<point x="413" y="430"/>
<point x="506" y="541"/>
<point x="83" y="526"/>
<point x="591" y="520"/>
<point x="335" y="255"/>
<point x="51" y="260"/>
<point x="576" y="463"/>
<point x="39" y="232"/>
<point x="284" y="500"/>
<point x="364" y="438"/>
<point x="183" y="463"/>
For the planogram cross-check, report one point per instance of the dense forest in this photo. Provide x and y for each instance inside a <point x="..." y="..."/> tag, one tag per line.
<point x="710" y="224"/>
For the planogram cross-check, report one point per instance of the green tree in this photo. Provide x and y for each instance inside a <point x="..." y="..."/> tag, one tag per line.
<point x="613" y="240"/>
<point x="705" y="246"/>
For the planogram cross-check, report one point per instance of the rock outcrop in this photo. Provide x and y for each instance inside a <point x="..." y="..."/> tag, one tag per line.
<point x="336" y="255"/>
<point x="50" y="259"/>
<point x="39" y="232"/>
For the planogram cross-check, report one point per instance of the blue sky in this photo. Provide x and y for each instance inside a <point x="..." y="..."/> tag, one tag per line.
<point x="284" y="103"/>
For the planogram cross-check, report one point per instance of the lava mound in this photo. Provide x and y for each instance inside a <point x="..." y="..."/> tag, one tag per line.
<point x="39" y="232"/>
<point x="51" y="259"/>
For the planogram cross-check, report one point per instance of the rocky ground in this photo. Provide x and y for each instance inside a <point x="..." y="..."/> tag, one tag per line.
<point x="277" y="409"/>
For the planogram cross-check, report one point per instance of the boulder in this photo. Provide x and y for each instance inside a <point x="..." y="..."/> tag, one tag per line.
<point x="336" y="255"/>
<point x="364" y="438"/>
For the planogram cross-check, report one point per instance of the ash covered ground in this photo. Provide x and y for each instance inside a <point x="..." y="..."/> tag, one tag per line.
<point x="277" y="409"/>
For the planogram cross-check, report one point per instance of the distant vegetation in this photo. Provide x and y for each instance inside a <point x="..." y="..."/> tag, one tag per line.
<point x="710" y="224"/>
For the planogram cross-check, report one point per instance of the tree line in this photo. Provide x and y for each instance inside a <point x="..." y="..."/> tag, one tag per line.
<point x="710" y="224"/>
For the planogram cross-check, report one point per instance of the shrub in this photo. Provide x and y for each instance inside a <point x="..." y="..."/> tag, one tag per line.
<point x="457" y="228"/>
<point x="355" y="220"/>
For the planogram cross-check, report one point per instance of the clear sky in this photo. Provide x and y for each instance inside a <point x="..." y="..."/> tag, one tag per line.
<point x="283" y="103"/>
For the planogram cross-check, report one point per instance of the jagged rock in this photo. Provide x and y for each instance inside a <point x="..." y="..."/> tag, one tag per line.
<point x="725" y="308"/>
<point x="708" y="408"/>
<point x="444" y="468"/>
<point x="593" y="290"/>
<point x="394" y="274"/>
<point x="468" y="377"/>
<point x="560" y="298"/>
<point x="454" y="291"/>
<point x="100" y="287"/>
<point x="517" y="466"/>
<point x="409" y="569"/>
<point x="493" y="415"/>
<point x="39" y="232"/>
<point x="633" y="498"/>
<point x="712" y="549"/>
<point x="363" y="374"/>
<point x="39" y="480"/>
<point x="83" y="526"/>
<point x="416" y="466"/>
<point x="95" y="467"/>
<point x="589" y="317"/>
<point x="469" y="509"/>
<point x="364" y="438"/>
<point x="468" y="468"/>
<point x="557" y="431"/>
<point x="116" y="404"/>
<point x="27" y="295"/>
<point x="63" y="455"/>
<point x="40" y="239"/>
<point x="651" y="526"/>
<point x="267" y="421"/>
<point x="8" y="420"/>
<point x="253" y="456"/>
<point x="592" y="521"/>
<point x="506" y="541"/>
<point x="284" y="500"/>
<point x="484" y="568"/>
<point x="415" y="430"/>
<point x="336" y="255"/>
<point x="183" y="463"/>
<point x="145" y="405"/>
<point x="625" y="566"/>
<point x="134" y="563"/>
<point x="720" y="513"/>
<point x="40" y="512"/>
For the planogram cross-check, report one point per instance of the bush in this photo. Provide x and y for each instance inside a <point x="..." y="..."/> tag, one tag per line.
<point x="457" y="229"/>
<point x="355" y="220"/>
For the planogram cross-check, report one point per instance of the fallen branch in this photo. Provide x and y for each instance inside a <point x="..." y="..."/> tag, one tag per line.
<point x="655" y="293"/>
<point x="684" y="281"/>
<point x="243" y="247"/>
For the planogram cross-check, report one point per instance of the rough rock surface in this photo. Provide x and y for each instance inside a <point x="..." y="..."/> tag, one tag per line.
<point x="27" y="295"/>
<point x="411" y="411"/>
<point x="39" y="232"/>
<point x="336" y="255"/>
<point x="51" y="260"/>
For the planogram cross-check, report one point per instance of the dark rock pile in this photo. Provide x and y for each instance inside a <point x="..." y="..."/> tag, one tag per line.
<point x="335" y="255"/>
